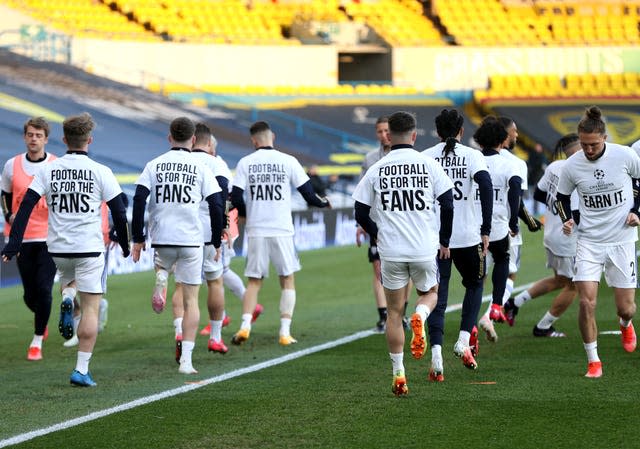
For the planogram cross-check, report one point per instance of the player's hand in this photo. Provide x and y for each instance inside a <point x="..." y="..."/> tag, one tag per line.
<point x="137" y="249"/>
<point x="567" y="226"/>
<point x="632" y="220"/>
<point x="534" y="224"/>
<point x="485" y="244"/>
<point x="444" y="252"/>
<point x="360" y="234"/>
<point x="226" y="236"/>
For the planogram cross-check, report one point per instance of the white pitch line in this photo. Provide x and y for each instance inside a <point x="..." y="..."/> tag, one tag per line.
<point x="184" y="389"/>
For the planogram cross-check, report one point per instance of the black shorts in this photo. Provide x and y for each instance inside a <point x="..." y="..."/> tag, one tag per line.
<point x="373" y="254"/>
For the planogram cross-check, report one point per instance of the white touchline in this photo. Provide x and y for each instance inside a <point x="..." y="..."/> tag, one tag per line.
<point x="212" y="380"/>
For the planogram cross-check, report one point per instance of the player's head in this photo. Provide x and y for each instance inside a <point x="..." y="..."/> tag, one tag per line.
<point x="512" y="132"/>
<point x="382" y="131"/>
<point x="181" y="132"/>
<point x="566" y="146"/>
<point x="490" y="134"/>
<point x="402" y="128"/>
<point x="261" y="134"/>
<point x="36" y="134"/>
<point x="77" y="131"/>
<point x="449" y="128"/>
<point x="203" y="138"/>
<point x="592" y="132"/>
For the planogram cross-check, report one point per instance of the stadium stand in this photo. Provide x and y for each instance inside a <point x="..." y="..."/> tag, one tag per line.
<point x="585" y="85"/>
<point x="83" y="18"/>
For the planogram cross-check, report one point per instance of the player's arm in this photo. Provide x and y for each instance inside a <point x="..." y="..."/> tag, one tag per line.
<point x="563" y="204"/>
<point x="119" y="214"/>
<point x="7" y="204"/>
<point x="540" y="195"/>
<point x="532" y="222"/>
<point x="311" y="197"/>
<point x="636" y="196"/>
<point x="514" y="197"/>
<point x="20" y="222"/>
<point x="364" y="220"/>
<point x="485" y="188"/>
<point x="237" y="201"/>
<point x="446" y="217"/>
<point x="216" y="216"/>
<point x="137" y="220"/>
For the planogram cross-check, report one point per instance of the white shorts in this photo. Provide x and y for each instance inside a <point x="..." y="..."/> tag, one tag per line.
<point x="514" y="256"/>
<point x="212" y="269"/>
<point x="86" y="271"/>
<point x="617" y="261"/>
<point x="187" y="261"/>
<point x="280" y="251"/>
<point x="562" y="265"/>
<point x="395" y="275"/>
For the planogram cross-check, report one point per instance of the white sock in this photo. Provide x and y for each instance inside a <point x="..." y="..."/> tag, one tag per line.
<point x="436" y="352"/>
<point x="546" y="321"/>
<point x="246" y="321"/>
<point x="234" y="283"/>
<point x="423" y="311"/>
<point x="37" y="341"/>
<point x="216" y="330"/>
<point x="463" y="337"/>
<point x="285" y="326"/>
<point x="508" y="289"/>
<point x="592" y="351"/>
<point x="397" y="363"/>
<point x="187" y="351"/>
<point x="69" y="292"/>
<point x="177" y="326"/>
<point x="522" y="298"/>
<point x="76" y="323"/>
<point x="625" y="323"/>
<point x="82" y="362"/>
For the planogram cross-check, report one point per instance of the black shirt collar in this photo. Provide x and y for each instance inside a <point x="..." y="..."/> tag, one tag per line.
<point x="82" y="153"/>
<point x="401" y="145"/>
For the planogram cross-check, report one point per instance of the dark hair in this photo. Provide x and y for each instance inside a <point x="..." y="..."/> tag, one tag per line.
<point x="490" y="134"/>
<point x="448" y="125"/>
<point x="382" y="119"/>
<point x="202" y="133"/>
<point x="506" y="121"/>
<point x="182" y="129"/>
<point x="77" y="130"/>
<point x="401" y="122"/>
<point x="563" y="143"/>
<point x="259" y="127"/>
<point x="37" y="123"/>
<point x="592" y="122"/>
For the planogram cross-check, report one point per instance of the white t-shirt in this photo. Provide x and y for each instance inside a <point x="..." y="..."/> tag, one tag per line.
<point x="523" y="172"/>
<point x="501" y="169"/>
<point x="205" y="159"/>
<point x="636" y="146"/>
<point x="461" y="165"/>
<point x="266" y="176"/>
<point x="605" y="193"/>
<point x="178" y="183"/>
<point x="75" y="187"/>
<point x="222" y="169"/>
<point x="402" y="189"/>
<point x="554" y="239"/>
